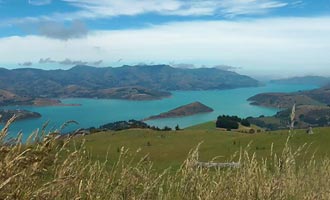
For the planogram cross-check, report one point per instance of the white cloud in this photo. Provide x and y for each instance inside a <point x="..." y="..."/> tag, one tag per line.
<point x="299" y="45"/>
<point x="39" y="2"/>
<point x="96" y="9"/>
<point x="230" y="8"/>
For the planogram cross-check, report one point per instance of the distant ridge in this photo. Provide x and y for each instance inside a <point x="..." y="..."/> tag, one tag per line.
<point x="92" y="82"/>
<point x="308" y="80"/>
<point x="319" y="97"/>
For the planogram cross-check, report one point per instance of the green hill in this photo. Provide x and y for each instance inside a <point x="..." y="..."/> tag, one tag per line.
<point x="170" y="149"/>
<point x="134" y="164"/>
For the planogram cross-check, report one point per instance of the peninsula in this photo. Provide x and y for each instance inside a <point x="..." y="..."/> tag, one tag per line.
<point x="5" y="115"/>
<point x="10" y="99"/>
<point x="312" y="108"/>
<point x="320" y="97"/>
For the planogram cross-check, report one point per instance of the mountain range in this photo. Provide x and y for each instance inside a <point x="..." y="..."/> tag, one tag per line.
<point x="145" y="82"/>
<point x="307" y="80"/>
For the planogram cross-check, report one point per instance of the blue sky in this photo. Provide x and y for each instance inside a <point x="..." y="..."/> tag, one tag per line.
<point x="252" y="36"/>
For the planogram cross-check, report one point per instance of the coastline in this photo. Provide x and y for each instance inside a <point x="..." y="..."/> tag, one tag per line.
<point x="95" y="112"/>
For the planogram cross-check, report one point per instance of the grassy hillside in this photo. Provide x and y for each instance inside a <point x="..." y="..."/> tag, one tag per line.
<point x="306" y="116"/>
<point x="51" y="168"/>
<point x="167" y="149"/>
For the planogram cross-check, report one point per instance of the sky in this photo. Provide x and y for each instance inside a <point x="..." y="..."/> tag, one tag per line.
<point x="275" y="38"/>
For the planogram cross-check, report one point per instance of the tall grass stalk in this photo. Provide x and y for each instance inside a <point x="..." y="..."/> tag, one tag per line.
<point x="48" y="168"/>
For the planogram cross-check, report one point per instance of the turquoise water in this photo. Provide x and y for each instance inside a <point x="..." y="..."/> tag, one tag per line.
<point x="95" y="112"/>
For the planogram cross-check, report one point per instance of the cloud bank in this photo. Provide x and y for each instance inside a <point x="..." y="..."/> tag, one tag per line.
<point x="104" y="9"/>
<point x="26" y="64"/>
<point x="229" y="8"/>
<point x="76" y="29"/>
<point x="299" y="45"/>
<point x="69" y="62"/>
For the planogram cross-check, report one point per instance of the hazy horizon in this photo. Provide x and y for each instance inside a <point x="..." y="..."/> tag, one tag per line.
<point x="261" y="76"/>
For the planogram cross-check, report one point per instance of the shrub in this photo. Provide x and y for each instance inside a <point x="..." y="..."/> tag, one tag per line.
<point x="252" y="131"/>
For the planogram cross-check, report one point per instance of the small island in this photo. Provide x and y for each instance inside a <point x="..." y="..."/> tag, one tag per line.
<point x="183" y="111"/>
<point x="5" y="115"/>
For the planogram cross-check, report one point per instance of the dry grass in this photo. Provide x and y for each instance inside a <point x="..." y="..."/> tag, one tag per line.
<point x="46" y="168"/>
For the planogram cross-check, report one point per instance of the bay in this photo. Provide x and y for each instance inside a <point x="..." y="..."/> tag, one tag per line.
<point x="96" y="112"/>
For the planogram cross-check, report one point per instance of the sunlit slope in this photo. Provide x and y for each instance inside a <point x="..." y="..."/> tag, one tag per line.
<point x="167" y="149"/>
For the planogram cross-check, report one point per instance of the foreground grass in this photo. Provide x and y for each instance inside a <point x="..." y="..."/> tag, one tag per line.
<point x="55" y="169"/>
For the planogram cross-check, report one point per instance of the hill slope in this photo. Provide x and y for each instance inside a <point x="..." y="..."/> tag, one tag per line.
<point x="312" y="108"/>
<point x="319" y="96"/>
<point x="306" y="116"/>
<point x="169" y="149"/>
<point x="80" y="81"/>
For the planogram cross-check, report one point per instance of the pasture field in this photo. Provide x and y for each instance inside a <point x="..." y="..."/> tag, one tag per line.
<point x="170" y="149"/>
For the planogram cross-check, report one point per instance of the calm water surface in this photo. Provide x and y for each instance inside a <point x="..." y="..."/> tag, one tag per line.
<point x="95" y="112"/>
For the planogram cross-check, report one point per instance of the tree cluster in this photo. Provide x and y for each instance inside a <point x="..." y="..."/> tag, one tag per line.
<point x="231" y="122"/>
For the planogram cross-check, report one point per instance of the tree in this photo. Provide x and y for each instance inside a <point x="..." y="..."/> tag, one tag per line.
<point x="177" y="128"/>
<point x="227" y="122"/>
<point x="245" y="122"/>
<point x="166" y="128"/>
